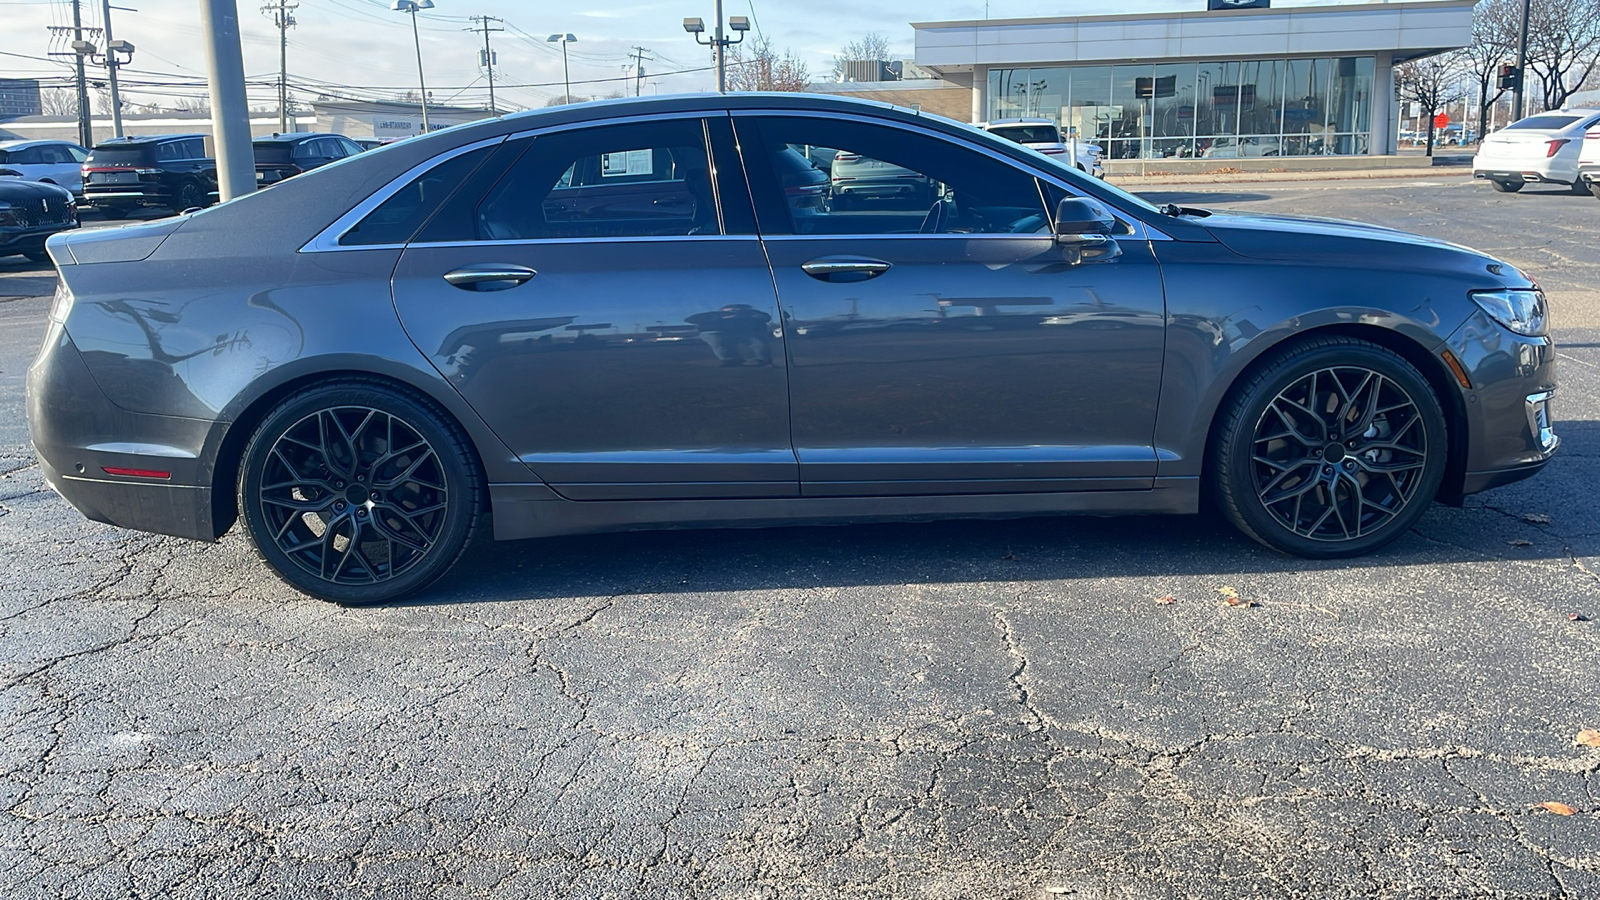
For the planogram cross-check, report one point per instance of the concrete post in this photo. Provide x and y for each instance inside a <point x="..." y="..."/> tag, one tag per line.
<point x="230" y="108"/>
<point x="980" y="94"/>
<point x="1385" y="141"/>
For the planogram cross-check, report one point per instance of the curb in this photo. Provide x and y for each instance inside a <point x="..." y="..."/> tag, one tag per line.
<point x="1247" y="177"/>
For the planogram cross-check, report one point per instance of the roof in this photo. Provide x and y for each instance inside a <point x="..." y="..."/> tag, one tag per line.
<point x="145" y="139"/>
<point x="29" y="142"/>
<point x="290" y="137"/>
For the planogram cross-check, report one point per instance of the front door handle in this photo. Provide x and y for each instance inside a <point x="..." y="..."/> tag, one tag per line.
<point x="844" y="268"/>
<point x="489" y="276"/>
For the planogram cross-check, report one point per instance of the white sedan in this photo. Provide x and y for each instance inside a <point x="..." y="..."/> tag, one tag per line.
<point x="1044" y="136"/>
<point x="1543" y="147"/>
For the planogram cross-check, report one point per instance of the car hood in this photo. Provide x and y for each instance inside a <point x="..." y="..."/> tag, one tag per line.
<point x="12" y="188"/>
<point x="1280" y="237"/>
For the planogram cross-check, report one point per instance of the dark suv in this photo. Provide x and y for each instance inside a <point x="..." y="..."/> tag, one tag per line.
<point x="171" y="170"/>
<point x="285" y="155"/>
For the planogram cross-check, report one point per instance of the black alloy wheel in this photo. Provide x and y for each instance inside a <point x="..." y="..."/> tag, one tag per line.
<point x="189" y="197"/>
<point x="1332" y="449"/>
<point x="358" y="493"/>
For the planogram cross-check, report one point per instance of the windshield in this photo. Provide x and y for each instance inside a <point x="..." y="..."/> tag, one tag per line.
<point x="1547" y="123"/>
<point x="1028" y="134"/>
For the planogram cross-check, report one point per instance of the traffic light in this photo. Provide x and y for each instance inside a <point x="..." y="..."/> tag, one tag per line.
<point x="1510" y="78"/>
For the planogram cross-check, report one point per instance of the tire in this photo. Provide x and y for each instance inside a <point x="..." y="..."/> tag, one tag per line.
<point x="189" y="197"/>
<point x="1506" y="187"/>
<point x="39" y="256"/>
<point x="406" y="503"/>
<point x="1311" y="482"/>
<point x="113" y="212"/>
<point x="843" y="202"/>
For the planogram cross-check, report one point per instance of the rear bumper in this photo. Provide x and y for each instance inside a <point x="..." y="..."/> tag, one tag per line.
<point x="127" y="195"/>
<point x="79" y="435"/>
<point x="1549" y="171"/>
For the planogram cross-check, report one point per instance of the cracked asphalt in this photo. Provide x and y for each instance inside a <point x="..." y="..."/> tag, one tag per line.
<point x="950" y="710"/>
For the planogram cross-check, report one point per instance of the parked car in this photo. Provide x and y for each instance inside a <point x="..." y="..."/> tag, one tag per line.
<point x="170" y="170"/>
<point x="31" y="211"/>
<point x="1543" y="147"/>
<point x="50" y="162"/>
<point x="370" y="362"/>
<point x="286" y="155"/>
<point x="1043" y="136"/>
<point x="1241" y="147"/>
<point x="805" y="184"/>
<point x="855" y="178"/>
<point x="1589" y="161"/>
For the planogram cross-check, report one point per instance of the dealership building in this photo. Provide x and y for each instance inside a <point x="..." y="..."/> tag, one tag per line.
<point x="1231" y="82"/>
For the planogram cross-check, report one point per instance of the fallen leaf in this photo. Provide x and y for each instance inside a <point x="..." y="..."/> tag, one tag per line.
<point x="1230" y="597"/>
<point x="1520" y="542"/>
<point x="1560" y="809"/>
<point x="1536" y="518"/>
<point x="1168" y="600"/>
<point x="1576" y="617"/>
<point x="1587" y="737"/>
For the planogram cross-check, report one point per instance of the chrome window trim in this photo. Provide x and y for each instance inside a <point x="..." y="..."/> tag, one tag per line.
<point x="523" y="242"/>
<point x="1137" y="229"/>
<point x="896" y="236"/>
<point x="327" y="240"/>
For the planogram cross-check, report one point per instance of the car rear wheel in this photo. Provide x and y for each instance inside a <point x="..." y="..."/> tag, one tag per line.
<point x="1333" y="448"/>
<point x="113" y="212"/>
<point x="189" y="197"/>
<point x="358" y="493"/>
<point x="1506" y="187"/>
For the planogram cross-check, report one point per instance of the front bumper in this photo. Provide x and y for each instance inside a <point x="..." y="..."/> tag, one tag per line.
<point x="83" y="441"/>
<point x="15" y="240"/>
<point x="1509" y="417"/>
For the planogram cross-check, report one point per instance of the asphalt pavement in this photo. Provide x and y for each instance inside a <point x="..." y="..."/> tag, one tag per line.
<point x="1035" y="708"/>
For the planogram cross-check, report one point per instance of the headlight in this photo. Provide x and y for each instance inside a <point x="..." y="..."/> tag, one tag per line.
<point x="1521" y="310"/>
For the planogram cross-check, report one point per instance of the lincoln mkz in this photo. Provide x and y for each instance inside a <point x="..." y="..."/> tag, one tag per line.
<point x="638" y="314"/>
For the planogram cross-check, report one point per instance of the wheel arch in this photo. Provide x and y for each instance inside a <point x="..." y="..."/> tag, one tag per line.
<point x="238" y="428"/>
<point x="1432" y="368"/>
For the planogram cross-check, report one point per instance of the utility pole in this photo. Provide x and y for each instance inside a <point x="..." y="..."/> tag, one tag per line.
<point x="230" y="108"/>
<point x="638" y="56"/>
<point x="76" y="30"/>
<point x="719" y="42"/>
<point x="112" y="63"/>
<point x="281" y="12"/>
<point x="487" y="57"/>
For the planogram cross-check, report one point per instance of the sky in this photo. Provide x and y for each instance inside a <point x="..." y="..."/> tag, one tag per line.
<point x="361" y="48"/>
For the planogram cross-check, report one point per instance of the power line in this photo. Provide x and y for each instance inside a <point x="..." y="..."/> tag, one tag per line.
<point x="638" y="56"/>
<point x="282" y="14"/>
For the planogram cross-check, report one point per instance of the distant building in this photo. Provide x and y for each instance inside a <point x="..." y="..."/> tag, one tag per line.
<point x="1293" y="81"/>
<point x="352" y="118"/>
<point x="19" y="97"/>
<point x="903" y="83"/>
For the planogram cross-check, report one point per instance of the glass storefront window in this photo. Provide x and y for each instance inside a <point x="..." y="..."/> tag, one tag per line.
<point x="1220" y="109"/>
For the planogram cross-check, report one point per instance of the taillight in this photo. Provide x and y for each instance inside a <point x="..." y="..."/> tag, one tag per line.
<point x="800" y="190"/>
<point x="147" y="171"/>
<point x="846" y="157"/>
<point x="1555" y="146"/>
<point x="135" y="473"/>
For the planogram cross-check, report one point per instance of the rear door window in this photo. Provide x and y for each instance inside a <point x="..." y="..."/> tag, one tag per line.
<point x="648" y="179"/>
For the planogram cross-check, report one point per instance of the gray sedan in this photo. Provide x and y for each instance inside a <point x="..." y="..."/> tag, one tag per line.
<point x="619" y="316"/>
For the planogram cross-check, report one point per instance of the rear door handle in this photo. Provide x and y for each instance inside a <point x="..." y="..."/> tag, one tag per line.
<point x="489" y="276"/>
<point x="844" y="268"/>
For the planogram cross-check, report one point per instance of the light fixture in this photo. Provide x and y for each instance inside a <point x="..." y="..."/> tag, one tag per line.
<point x="739" y="23"/>
<point x="694" y="26"/>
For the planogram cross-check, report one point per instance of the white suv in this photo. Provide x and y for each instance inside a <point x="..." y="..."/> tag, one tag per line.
<point x="1043" y="135"/>
<point x="52" y="162"/>
<point x="1543" y="148"/>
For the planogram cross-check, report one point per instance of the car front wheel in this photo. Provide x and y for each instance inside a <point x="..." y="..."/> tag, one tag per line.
<point x="358" y="493"/>
<point x="1332" y="449"/>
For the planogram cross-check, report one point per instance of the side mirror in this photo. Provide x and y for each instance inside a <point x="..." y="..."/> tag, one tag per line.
<point x="1077" y="216"/>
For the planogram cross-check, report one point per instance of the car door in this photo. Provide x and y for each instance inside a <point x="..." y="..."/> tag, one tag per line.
<point x="954" y="347"/>
<point x="608" y="319"/>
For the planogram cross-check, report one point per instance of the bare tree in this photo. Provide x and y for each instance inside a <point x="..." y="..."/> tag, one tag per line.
<point x="1563" y="47"/>
<point x="192" y="104"/>
<point x="1494" y="43"/>
<point x="760" y="68"/>
<point x="58" y="102"/>
<point x="564" y="99"/>
<point x="871" y="46"/>
<point x="1431" y="83"/>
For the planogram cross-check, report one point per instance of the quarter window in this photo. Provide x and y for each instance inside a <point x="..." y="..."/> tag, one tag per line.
<point x="396" y="219"/>
<point x="828" y="176"/>
<point x="643" y="180"/>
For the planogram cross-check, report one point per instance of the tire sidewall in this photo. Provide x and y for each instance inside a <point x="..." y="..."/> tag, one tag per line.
<point x="1237" y="447"/>
<point x="462" y="485"/>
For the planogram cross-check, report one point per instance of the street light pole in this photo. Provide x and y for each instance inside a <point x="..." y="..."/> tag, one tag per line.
<point x="111" y="68"/>
<point x="230" y="108"/>
<point x="411" y="6"/>
<point x="566" y="73"/>
<point x="1522" y="64"/>
<point x="719" y="41"/>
